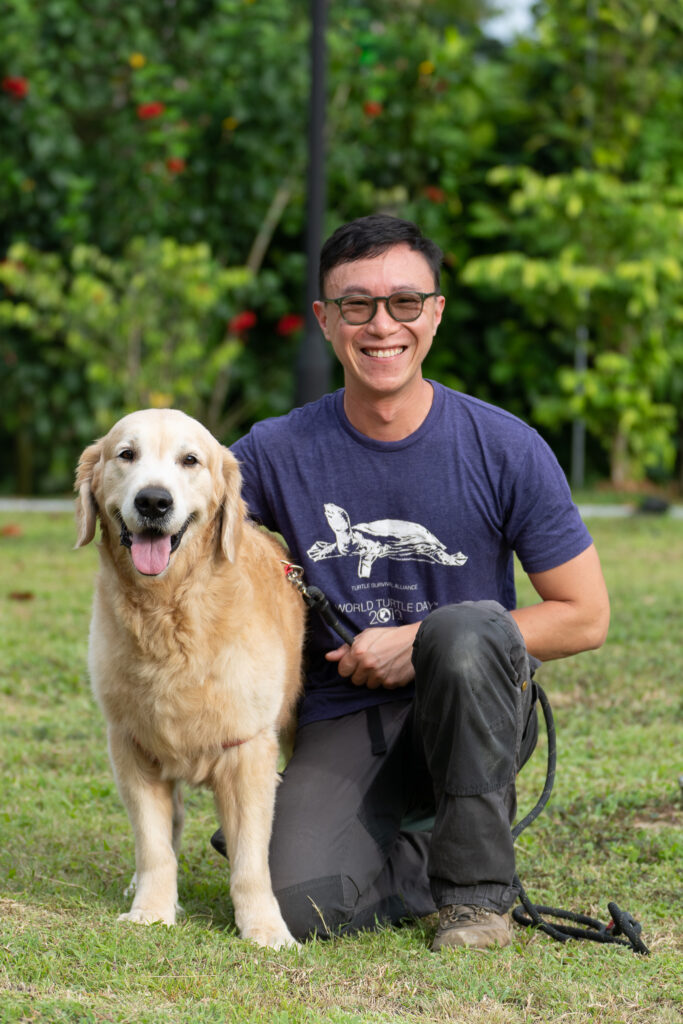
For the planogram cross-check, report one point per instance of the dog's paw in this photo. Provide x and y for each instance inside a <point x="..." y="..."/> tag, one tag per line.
<point x="276" y="936"/>
<point x="143" y="915"/>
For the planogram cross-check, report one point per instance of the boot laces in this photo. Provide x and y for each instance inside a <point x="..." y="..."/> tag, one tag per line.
<point x="459" y="912"/>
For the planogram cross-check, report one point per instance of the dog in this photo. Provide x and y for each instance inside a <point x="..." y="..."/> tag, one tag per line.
<point x="194" y="653"/>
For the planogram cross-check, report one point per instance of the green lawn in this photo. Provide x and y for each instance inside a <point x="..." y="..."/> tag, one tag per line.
<point x="612" y="831"/>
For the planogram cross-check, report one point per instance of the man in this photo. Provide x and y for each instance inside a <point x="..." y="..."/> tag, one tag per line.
<point x="404" y="502"/>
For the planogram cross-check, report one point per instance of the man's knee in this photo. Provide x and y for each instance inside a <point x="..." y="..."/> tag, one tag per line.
<point x="457" y="638"/>
<point x="320" y="907"/>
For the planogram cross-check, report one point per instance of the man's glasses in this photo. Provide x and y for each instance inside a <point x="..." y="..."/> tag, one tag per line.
<point x="402" y="306"/>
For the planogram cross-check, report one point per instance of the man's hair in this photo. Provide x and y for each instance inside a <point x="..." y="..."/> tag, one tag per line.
<point x="371" y="236"/>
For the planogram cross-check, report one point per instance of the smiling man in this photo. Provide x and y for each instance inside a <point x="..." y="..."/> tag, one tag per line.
<point x="382" y="356"/>
<point x="405" y="502"/>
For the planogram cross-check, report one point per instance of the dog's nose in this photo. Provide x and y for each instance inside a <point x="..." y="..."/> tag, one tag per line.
<point x="153" y="502"/>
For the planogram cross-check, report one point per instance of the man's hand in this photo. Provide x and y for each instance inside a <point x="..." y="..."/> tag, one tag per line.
<point x="378" y="657"/>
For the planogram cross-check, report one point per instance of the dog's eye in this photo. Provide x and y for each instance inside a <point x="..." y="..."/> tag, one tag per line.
<point x="127" y="455"/>
<point x="190" y="460"/>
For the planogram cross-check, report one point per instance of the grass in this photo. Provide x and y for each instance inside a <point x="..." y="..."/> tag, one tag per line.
<point x="612" y="831"/>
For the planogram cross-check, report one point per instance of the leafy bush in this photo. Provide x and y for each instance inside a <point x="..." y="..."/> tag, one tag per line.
<point x="149" y="328"/>
<point x="588" y="256"/>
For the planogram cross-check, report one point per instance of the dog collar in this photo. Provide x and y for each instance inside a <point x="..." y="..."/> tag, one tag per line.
<point x="224" y="746"/>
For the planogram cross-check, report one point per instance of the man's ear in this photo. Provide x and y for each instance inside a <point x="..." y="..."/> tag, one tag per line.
<point x="439" y="303"/>
<point x="233" y="508"/>
<point x="320" y="310"/>
<point x="86" y="506"/>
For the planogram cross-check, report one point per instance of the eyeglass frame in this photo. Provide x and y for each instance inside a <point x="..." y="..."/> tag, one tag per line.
<point x="385" y="299"/>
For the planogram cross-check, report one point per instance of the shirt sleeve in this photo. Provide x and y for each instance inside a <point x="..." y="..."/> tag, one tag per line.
<point x="543" y="525"/>
<point x="246" y="452"/>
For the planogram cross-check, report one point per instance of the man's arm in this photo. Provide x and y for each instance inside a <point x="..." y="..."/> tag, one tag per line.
<point x="574" y="613"/>
<point x="572" y="616"/>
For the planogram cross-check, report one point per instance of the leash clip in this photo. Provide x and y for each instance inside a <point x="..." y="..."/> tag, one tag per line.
<point x="315" y="598"/>
<point x="295" y="575"/>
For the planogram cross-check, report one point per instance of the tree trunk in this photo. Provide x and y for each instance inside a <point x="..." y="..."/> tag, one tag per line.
<point x="619" y="460"/>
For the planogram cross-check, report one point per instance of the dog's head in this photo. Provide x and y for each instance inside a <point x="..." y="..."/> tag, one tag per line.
<point x="157" y="478"/>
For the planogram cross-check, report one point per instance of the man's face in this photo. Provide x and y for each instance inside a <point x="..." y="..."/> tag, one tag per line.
<point x="384" y="356"/>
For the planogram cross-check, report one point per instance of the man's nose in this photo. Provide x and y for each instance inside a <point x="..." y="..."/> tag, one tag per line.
<point x="382" y="322"/>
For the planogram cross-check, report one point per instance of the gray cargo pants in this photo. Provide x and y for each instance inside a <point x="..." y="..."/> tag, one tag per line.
<point x="348" y="850"/>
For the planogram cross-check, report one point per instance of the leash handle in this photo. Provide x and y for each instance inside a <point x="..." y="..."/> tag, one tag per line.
<point x="625" y="924"/>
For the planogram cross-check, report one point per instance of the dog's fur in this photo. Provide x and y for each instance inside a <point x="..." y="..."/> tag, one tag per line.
<point x="195" y="663"/>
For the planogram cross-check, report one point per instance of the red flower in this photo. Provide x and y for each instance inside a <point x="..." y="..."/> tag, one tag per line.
<point x="434" y="193"/>
<point x="146" y="111"/>
<point x="175" y="164"/>
<point x="17" y="87"/>
<point x="243" y="321"/>
<point x="372" y="108"/>
<point x="289" y="323"/>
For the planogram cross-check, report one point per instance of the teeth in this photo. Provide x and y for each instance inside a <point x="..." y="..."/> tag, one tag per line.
<point x="382" y="353"/>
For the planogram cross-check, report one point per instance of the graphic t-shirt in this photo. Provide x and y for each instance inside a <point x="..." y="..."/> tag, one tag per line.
<point x="390" y="530"/>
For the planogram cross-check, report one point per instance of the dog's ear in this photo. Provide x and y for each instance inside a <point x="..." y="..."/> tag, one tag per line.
<point x="86" y="506"/>
<point x="233" y="508"/>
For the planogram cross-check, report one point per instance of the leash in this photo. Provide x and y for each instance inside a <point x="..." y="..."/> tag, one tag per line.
<point x="315" y="599"/>
<point x="621" y="922"/>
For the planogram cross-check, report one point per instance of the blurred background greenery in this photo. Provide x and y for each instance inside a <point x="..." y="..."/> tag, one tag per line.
<point x="153" y="160"/>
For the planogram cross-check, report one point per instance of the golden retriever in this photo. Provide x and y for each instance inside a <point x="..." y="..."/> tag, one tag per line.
<point x="195" y="653"/>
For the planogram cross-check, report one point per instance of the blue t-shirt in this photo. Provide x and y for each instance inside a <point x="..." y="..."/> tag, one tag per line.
<point x="390" y="530"/>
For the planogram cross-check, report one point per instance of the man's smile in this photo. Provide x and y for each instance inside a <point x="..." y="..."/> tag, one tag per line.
<point x="383" y="353"/>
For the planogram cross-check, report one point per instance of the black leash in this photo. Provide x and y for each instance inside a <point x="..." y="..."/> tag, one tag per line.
<point x="621" y="923"/>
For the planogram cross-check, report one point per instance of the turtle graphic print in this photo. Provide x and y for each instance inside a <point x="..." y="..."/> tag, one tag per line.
<point x="385" y="538"/>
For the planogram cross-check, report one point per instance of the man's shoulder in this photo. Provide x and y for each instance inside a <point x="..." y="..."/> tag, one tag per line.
<point x="294" y="424"/>
<point x="483" y="416"/>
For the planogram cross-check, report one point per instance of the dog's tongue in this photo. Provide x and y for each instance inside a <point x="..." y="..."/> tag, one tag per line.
<point x="150" y="552"/>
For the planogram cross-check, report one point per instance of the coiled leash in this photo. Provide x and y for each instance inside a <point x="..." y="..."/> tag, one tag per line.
<point x="621" y="923"/>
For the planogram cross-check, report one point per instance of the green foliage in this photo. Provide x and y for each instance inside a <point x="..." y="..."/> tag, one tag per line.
<point x="149" y="328"/>
<point x="587" y="255"/>
<point x="586" y="228"/>
<point x="187" y="121"/>
<point x="602" y="85"/>
<point x="135" y="117"/>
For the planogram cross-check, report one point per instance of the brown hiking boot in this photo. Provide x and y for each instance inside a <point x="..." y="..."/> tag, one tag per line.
<point x="463" y="925"/>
